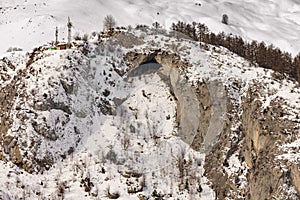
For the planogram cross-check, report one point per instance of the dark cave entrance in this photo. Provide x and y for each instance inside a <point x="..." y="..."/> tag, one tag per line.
<point x="148" y="67"/>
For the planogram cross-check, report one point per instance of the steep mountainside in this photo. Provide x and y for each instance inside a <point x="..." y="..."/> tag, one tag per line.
<point x="198" y="122"/>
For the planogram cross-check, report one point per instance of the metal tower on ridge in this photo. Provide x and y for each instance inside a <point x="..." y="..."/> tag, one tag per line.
<point x="56" y="36"/>
<point x="69" y="24"/>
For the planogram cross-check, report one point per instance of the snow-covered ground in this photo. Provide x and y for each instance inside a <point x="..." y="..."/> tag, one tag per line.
<point x="141" y="136"/>
<point x="29" y="23"/>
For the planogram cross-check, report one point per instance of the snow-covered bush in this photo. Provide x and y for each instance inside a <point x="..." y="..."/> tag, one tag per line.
<point x="10" y="49"/>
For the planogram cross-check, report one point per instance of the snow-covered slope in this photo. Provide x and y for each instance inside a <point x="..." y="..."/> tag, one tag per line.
<point x="86" y="130"/>
<point x="30" y="23"/>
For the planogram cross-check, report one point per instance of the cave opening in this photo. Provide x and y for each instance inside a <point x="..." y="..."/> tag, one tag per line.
<point x="148" y="67"/>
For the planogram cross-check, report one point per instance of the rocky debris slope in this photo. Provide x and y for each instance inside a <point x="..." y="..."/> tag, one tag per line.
<point x="204" y="102"/>
<point x="37" y="106"/>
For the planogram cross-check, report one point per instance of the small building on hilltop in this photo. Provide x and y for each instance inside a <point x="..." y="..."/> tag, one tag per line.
<point x="62" y="46"/>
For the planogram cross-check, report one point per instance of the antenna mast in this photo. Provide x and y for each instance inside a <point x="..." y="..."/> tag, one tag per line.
<point x="69" y="25"/>
<point x="56" y="36"/>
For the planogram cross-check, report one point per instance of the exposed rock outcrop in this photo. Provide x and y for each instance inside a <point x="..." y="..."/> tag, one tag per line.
<point x="134" y="59"/>
<point x="264" y="129"/>
<point x="45" y="117"/>
<point x="21" y="111"/>
<point x="258" y="175"/>
<point x="260" y="132"/>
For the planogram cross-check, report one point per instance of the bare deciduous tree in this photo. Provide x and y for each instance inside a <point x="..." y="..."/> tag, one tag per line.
<point x="156" y="25"/>
<point x="109" y="22"/>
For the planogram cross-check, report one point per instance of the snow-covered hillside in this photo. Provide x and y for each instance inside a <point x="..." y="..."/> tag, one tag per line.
<point x="29" y="23"/>
<point x="87" y="127"/>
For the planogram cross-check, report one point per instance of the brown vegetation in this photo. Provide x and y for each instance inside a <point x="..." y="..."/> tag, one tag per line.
<point x="269" y="57"/>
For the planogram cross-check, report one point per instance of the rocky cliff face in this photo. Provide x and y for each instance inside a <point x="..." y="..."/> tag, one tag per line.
<point x="242" y="118"/>
<point x="8" y="94"/>
<point x="265" y="131"/>
<point x="250" y="134"/>
<point x="259" y="174"/>
<point x="256" y="149"/>
<point x="37" y="108"/>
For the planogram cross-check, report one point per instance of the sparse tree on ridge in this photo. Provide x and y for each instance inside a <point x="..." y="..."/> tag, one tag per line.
<point x="296" y="63"/>
<point x="156" y="25"/>
<point x="202" y="31"/>
<point x="109" y="22"/>
<point x="269" y="57"/>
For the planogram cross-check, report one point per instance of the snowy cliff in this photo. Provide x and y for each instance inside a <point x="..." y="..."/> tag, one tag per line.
<point x="202" y="124"/>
